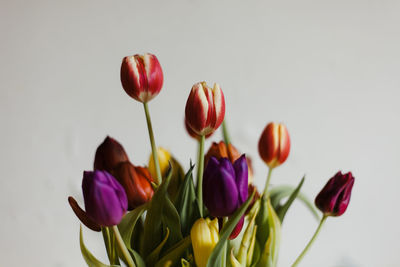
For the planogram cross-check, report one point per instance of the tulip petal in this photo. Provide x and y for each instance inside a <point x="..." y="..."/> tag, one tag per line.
<point x="242" y="173"/>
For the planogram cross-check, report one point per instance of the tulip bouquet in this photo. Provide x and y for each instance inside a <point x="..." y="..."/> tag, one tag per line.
<point x="159" y="215"/>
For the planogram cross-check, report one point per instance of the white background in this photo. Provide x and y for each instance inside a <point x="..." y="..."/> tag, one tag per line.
<point x="328" y="69"/>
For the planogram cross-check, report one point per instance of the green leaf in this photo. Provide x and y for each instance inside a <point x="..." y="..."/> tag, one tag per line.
<point x="256" y="254"/>
<point x="252" y="248"/>
<point x="137" y="258"/>
<point x="175" y="253"/>
<point x="153" y="230"/>
<point x="161" y="215"/>
<point x="88" y="256"/>
<point x="280" y="192"/>
<point x="171" y="221"/>
<point x="281" y="211"/>
<point x="215" y="258"/>
<point x="246" y="241"/>
<point x="269" y="256"/>
<point x="185" y="263"/>
<point x="154" y="255"/>
<point x="128" y="223"/>
<point x="186" y="203"/>
<point x="234" y="261"/>
<point x="262" y="221"/>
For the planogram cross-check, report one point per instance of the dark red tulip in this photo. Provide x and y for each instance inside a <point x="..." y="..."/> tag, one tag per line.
<point x="109" y="154"/>
<point x="335" y="196"/>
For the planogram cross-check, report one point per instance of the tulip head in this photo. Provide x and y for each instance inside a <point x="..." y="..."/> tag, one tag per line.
<point x="164" y="157"/>
<point x="105" y="199"/>
<point x="204" y="235"/>
<point x="109" y="154"/>
<point x="221" y="150"/>
<point x="141" y="76"/>
<point x="137" y="183"/>
<point x="205" y="109"/>
<point x="225" y="186"/>
<point x="335" y="196"/>
<point x="274" y="144"/>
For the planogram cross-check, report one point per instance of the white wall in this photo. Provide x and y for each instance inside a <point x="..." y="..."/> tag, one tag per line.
<point x="328" y="69"/>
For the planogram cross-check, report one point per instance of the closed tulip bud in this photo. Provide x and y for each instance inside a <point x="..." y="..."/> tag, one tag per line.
<point x="204" y="235"/>
<point x="137" y="183"/>
<point x="141" y="76"/>
<point x="205" y="109"/>
<point x="221" y="150"/>
<point x="177" y="176"/>
<point x="225" y="185"/>
<point x="105" y="199"/>
<point x="109" y="154"/>
<point x="335" y="196"/>
<point x="274" y="144"/>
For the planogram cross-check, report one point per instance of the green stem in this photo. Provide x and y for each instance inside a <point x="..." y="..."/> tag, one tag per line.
<point x="123" y="248"/>
<point x="311" y="241"/>
<point x="265" y="194"/>
<point x="225" y="247"/>
<point x="200" y="170"/>
<point x="153" y="144"/>
<point x="109" y="241"/>
<point x="225" y="133"/>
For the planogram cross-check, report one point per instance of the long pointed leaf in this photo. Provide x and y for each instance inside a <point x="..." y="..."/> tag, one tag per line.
<point x="128" y="223"/>
<point x="215" y="258"/>
<point x="88" y="256"/>
<point x="175" y="253"/>
<point x="280" y="192"/>
<point x="153" y="231"/>
<point x="281" y="211"/>
<point x="186" y="203"/>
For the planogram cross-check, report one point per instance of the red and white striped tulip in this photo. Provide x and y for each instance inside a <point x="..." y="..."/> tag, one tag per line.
<point x="274" y="144"/>
<point x="141" y="76"/>
<point x="205" y="109"/>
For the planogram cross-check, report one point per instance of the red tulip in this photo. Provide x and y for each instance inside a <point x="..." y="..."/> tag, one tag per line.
<point x="205" y="109"/>
<point x="274" y="144"/>
<point x="137" y="183"/>
<point x="141" y="76"/>
<point x="335" y="196"/>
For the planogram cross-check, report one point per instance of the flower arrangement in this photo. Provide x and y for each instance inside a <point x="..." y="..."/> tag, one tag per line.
<point x="159" y="216"/>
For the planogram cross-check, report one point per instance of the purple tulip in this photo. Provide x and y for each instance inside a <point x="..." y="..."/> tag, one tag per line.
<point x="105" y="199"/>
<point x="335" y="196"/>
<point x="225" y="186"/>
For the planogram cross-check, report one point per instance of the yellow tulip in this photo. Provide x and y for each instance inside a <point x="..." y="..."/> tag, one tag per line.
<point x="163" y="158"/>
<point x="204" y="235"/>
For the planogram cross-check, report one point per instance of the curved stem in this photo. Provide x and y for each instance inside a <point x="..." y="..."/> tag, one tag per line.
<point x="123" y="248"/>
<point x="153" y="144"/>
<point x="225" y="133"/>
<point x="200" y="170"/>
<point x="265" y="194"/>
<point x="310" y="242"/>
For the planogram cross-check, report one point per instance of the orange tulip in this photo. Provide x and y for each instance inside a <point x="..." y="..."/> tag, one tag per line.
<point x="274" y="144"/>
